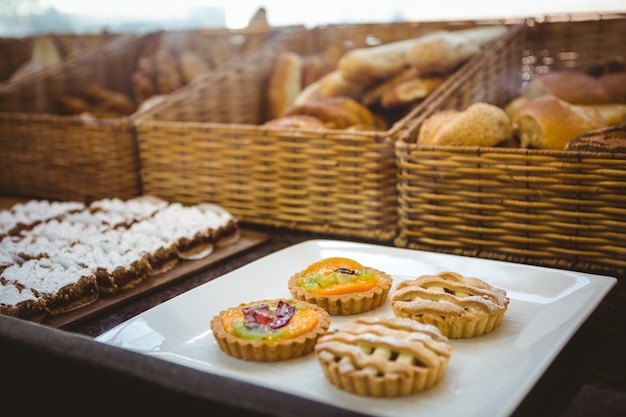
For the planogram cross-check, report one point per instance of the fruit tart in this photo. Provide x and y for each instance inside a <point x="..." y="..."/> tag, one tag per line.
<point x="270" y="330"/>
<point x="341" y="286"/>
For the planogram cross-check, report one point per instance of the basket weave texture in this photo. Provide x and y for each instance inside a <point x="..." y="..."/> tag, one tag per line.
<point x="49" y="154"/>
<point x="208" y="143"/>
<point x="552" y="208"/>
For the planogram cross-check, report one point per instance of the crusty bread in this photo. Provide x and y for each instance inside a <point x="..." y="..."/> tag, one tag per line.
<point x="411" y="91"/>
<point x="373" y="95"/>
<point x="481" y="124"/>
<point x="548" y="122"/>
<point x="309" y="93"/>
<point x="608" y="139"/>
<point x="442" y="51"/>
<point x="285" y="83"/>
<point x="334" y="84"/>
<point x="299" y="121"/>
<point x="573" y="86"/>
<point x="192" y="65"/>
<point x="336" y="112"/>
<point x="369" y="66"/>
<point x="614" y="114"/>
<point x="615" y="86"/>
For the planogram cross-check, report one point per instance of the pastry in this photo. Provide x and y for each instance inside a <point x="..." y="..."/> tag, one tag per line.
<point x="573" y="86"/>
<point x="609" y="139"/>
<point x="269" y="330"/>
<point x="384" y="356"/>
<point x="341" y="286"/>
<point x="481" y="124"/>
<point x="441" y="52"/>
<point x="459" y="306"/>
<point x="548" y="122"/>
<point x="63" y="255"/>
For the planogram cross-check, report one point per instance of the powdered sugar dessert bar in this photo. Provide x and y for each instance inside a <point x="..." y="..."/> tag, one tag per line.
<point x="68" y="255"/>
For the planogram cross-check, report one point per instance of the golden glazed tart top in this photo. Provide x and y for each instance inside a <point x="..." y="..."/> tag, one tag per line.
<point x="460" y="306"/>
<point x="270" y="330"/>
<point x="341" y="286"/>
<point x="384" y="356"/>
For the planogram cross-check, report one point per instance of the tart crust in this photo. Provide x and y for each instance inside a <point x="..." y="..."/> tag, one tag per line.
<point x="384" y="356"/>
<point x="459" y="306"/>
<point x="270" y="351"/>
<point x="345" y="304"/>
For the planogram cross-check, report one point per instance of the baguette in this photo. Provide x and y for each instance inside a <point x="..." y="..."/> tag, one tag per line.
<point x="442" y="51"/>
<point x="369" y="66"/>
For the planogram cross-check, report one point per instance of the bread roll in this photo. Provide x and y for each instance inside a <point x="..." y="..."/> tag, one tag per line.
<point x="368" y="66"/>
<point x="573" y="86"/>
<point x="309" y="93"/>
<point x="285" y="83"/>
<point x="481" y="124"/>
<point x="442" y="51"/>
<point x="192" y="65"/>
<point x="299" y="121"/>
<point x="336" y="112"/>
<point x="334" y="84"/>
<point x="372" y="96"/>
<point x="615" y="86"/>
<point x="410" y="92"/>
<point x="613" y="114"/>
<point x="609" y="139"/>
<point x="107" y="99"/>
<point x="549" y="123"/>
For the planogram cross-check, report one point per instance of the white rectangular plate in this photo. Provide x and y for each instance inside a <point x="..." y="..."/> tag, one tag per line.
<point x="486" y="376"/>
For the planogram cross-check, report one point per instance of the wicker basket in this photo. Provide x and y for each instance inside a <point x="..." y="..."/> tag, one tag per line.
<point x="46" y="154"/>
<point x="552" y="208"/>
<point x="208" y="143"/>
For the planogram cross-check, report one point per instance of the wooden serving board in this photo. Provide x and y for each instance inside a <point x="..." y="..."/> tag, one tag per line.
<point x="247" y="240"/>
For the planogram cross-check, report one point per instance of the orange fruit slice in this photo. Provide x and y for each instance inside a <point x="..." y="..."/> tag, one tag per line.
<point x="328" y="265"/>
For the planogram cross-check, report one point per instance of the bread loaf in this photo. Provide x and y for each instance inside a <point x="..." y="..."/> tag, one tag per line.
<point x="615" y="86"/>
<point x="548" y="122"/>
<point x="192" y="65"/>
<point x="609" y="139"/>
<point x="334" y="84"/>
<point x="368" y="66"/>
<point x="440" y="52"/>
<point x="285" y="83"/>
<point x="481" y="124"/>
<point x="409" y="92"/>
<point x="337" y="112"/>
<point x="573" y="86"/>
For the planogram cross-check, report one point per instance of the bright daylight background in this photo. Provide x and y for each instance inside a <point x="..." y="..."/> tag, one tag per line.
<point x="143" y="15"/>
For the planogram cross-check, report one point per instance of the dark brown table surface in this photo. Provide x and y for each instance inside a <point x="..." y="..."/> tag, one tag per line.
<point x="65" y="372"/>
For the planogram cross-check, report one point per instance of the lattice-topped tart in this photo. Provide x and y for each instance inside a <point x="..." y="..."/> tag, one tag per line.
<point x="270" y="330"/>
<point x="341" y="286"/>
<point x="384" y="356"/>
<point x="461" y="307"/>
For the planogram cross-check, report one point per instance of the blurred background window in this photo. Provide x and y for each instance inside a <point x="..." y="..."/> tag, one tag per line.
<point x="29" y="17"/>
